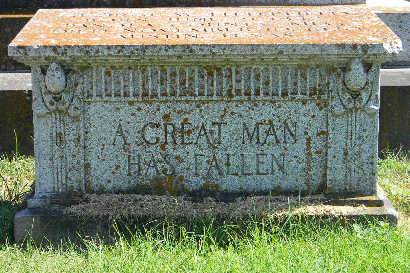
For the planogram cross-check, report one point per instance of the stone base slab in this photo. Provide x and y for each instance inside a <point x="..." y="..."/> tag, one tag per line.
<point x="96" y="214"/>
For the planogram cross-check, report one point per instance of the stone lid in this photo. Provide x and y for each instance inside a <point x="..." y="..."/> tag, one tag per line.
<point x="192" y="31"/>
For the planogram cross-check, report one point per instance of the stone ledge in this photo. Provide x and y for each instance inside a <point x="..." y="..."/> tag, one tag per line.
<point x="15" y="81"/>
<point x="395" y="77"/>
<point x="97" y="213"/>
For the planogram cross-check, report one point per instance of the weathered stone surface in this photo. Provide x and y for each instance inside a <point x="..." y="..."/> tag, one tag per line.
<point x="199" y="31"/>
<point x="281" y="99"/>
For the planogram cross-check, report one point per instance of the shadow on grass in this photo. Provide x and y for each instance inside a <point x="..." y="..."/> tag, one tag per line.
<point x="7" y="212"/>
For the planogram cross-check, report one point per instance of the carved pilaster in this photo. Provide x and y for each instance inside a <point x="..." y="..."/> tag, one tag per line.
<point x="353" y="129"/>
<point x="57" y="107"/>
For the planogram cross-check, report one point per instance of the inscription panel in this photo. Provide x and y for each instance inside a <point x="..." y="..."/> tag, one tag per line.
<point x="225" y="145"/>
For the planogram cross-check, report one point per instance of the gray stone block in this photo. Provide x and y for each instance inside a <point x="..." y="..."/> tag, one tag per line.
<point x="180" y="106"/>
<point x="198" y="103"/>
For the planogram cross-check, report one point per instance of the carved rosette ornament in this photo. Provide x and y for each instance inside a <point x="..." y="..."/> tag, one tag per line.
<point x="358" y="90"/>
<point x="57" y="92"/>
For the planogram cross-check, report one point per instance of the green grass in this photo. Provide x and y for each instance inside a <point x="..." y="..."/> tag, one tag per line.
<point x="16" y="179"/>
<point x="299" y="247"/>
<point x="394" y="178"/>
<point x="295" y="245"/>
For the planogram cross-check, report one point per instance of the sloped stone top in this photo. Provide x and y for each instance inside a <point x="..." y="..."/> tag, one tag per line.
<point x="220" y="30"/>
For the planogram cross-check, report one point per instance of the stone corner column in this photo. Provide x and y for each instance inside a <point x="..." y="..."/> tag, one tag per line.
<point x="58" y="140"/>
<point x="353" y="123"/>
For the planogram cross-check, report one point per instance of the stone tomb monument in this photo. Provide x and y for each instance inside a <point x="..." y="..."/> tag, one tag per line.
<point x="183" y="100"/>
